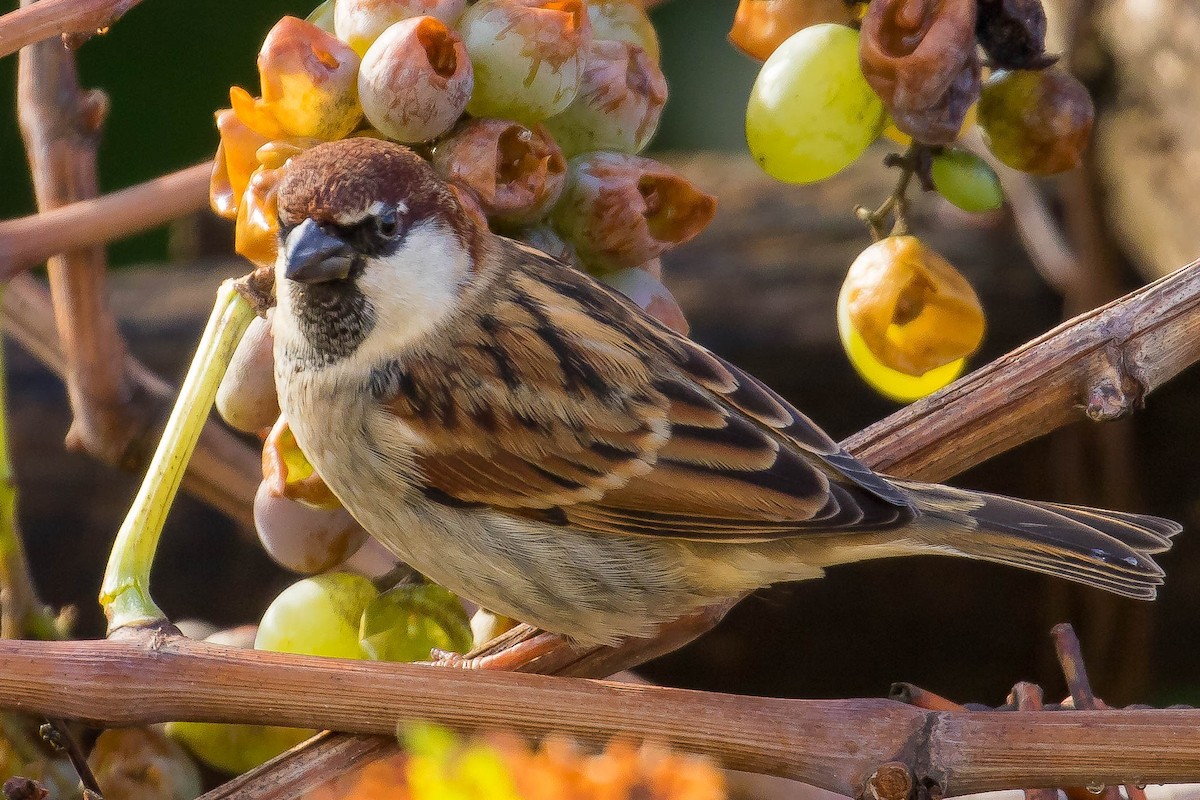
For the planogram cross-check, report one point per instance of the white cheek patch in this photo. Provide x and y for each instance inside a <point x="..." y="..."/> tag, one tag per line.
<point x="412" y="289"/>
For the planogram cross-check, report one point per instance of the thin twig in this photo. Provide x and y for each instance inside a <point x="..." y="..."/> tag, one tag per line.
<point x="56" y="732"/>
<point x="50" y="18"/>
<point x="60" y="124"/>
<point x="28" y="241"/>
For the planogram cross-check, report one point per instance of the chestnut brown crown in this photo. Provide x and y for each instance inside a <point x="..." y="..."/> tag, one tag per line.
<point x="338" y="183"/>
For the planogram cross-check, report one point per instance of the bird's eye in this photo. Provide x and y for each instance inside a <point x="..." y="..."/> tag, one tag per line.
<point x="387" y="225"/>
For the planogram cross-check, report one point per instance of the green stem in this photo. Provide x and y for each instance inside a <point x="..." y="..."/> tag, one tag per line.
<point x="125" y="593"/>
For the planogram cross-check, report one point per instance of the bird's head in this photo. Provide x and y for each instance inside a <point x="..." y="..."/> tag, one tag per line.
<point x="373" y="247"/>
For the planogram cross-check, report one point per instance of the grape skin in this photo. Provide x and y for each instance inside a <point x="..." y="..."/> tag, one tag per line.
<point x="318" y="616"/>
<point x="302" y="538"/>
<point x="811" y="112"/>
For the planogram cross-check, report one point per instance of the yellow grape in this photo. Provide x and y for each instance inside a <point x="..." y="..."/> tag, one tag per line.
<point x="811" y="112"/>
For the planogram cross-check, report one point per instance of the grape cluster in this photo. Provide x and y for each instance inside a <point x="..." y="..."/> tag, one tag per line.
<point x="335" y="615"/>
<point x="838" y="75"/>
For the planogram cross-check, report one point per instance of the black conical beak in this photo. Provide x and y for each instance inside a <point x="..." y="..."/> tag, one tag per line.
<point x="313" y="256"/>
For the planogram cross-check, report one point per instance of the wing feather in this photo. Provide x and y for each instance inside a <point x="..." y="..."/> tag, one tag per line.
<point x="566" y="404"/>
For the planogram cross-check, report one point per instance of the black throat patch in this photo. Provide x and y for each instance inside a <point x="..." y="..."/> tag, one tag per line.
<point x="334" y="318"/>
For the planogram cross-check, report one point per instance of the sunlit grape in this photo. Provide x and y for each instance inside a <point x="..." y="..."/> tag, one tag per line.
<point x="624" y="21"/>
<point x="913" y="310"/>
<point x="288" y="472"/>
<point x="409" y="621"/>
<point x="966" y="181"/>
<point x="309" y="80"/>
<point x="301" y="538"/>
<point x="256" y="232"/>
<point x="1036" y="121"/>
<point x="889" y="382"/>
<point x="620" y="100"/>
<point x="811" y="112"/>
<point x="415" y="80"/>
<point x="323" y="17"/>
<point x="359" y="23"/>
<point x="760" y="26"/>
<point x="528" y="56"/>
<point x="318" y="616"/>
<point x="235" y="162"/>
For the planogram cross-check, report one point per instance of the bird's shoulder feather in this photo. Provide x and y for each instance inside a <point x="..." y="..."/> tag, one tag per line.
<point x="558" y="399"/>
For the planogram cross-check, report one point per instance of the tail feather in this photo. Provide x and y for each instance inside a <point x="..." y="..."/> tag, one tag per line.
<point x="1107" y="549"/>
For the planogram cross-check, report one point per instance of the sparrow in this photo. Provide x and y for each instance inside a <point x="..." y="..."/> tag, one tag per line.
<point x="533" y="441"/>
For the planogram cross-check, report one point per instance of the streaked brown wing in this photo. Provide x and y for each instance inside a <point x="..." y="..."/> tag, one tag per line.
<point x="566" y="404"/>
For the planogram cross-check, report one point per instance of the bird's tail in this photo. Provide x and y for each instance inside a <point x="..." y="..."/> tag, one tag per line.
<point x="1106" y="549"/>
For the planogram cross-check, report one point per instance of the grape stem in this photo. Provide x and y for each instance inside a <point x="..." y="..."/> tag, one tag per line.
<point x="915" y="161"/>
<point x="125" y="592"/>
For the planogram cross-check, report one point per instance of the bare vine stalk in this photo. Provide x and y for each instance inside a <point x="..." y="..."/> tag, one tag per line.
<point x="74" y="19"/>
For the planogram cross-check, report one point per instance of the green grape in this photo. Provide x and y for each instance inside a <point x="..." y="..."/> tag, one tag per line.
<point x="235" y="748"/>
<point x="623" y="21"/>
<point x="317" y="616"/>
<point x="407" y="622"/>
<point x="967" y="181"/>
<point x="811" y="111"/>
<point x="528" y="56"/>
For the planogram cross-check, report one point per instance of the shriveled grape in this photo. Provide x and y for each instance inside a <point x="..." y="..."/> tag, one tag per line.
<point x="1036" y="121"/>
<point x="415" y="80"/>
<point x="620" y="100"/>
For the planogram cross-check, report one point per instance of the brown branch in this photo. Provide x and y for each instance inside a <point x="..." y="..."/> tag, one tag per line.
<point x="28" y="241"/>
<point x="49" y="18"/>
<point x="61" y="124"/>
<point x="834" y="744"/>
<point x="117" y="402"/>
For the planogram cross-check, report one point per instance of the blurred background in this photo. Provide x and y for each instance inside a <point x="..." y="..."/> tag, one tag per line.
<point x="759" y="288"/>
